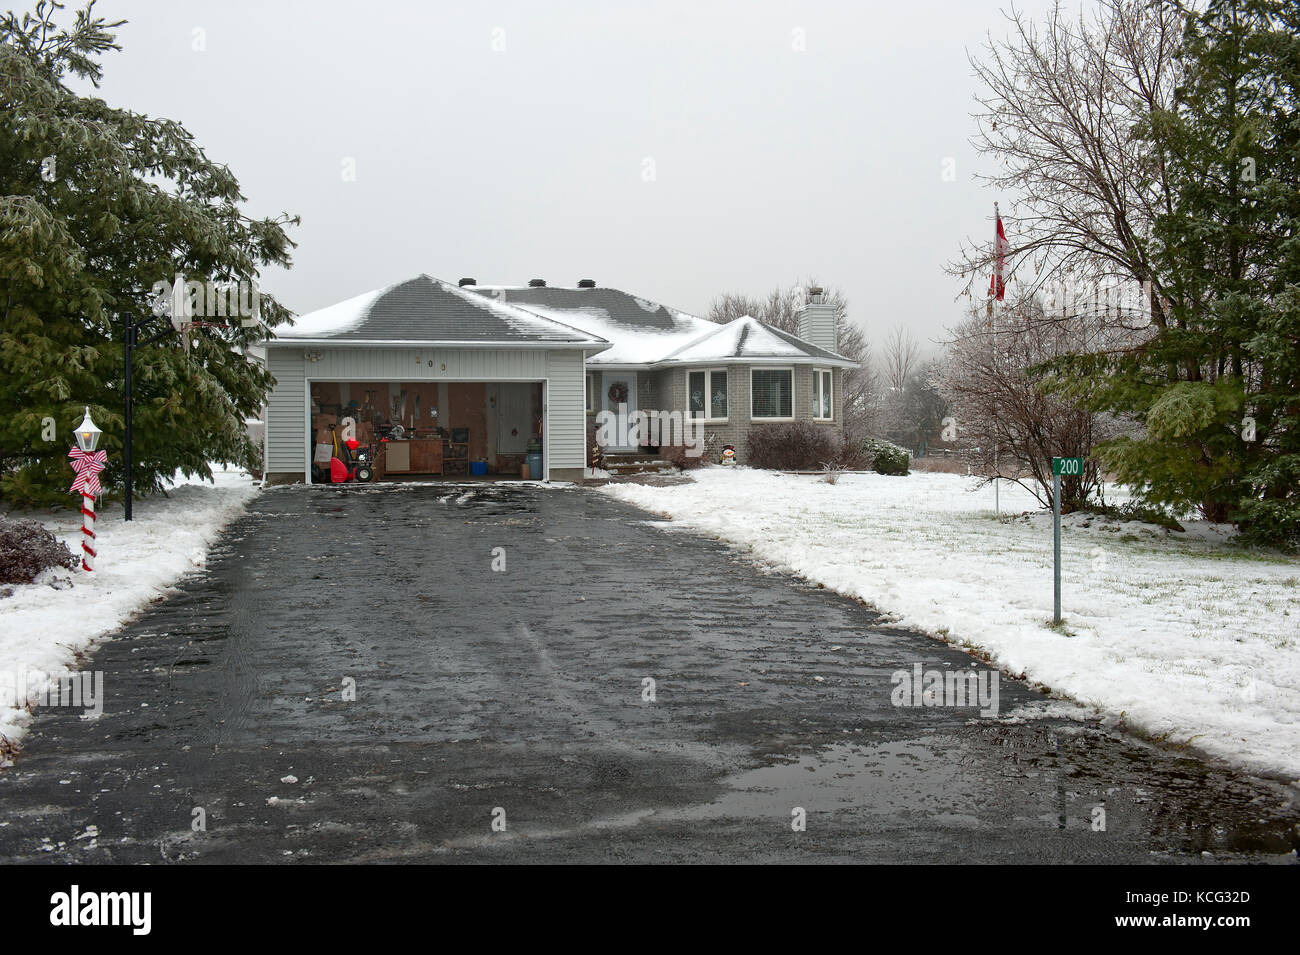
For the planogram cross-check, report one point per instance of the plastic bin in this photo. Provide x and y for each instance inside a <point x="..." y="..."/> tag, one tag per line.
<point x="478" y="467"/>
<point x="535" y="465"/>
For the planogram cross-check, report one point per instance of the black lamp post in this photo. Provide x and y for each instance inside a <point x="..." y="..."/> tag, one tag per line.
<point x="132" y="343"/>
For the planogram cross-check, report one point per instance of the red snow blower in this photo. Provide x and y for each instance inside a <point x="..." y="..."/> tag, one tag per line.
<point x="350" y="461"/>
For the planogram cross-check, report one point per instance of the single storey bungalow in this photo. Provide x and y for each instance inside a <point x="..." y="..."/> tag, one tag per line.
<point x="469" y="378"/>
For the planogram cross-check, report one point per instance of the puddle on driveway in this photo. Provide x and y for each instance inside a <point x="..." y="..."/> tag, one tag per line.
<point x="892" y="777"/>
<point x="1073" y="783"/>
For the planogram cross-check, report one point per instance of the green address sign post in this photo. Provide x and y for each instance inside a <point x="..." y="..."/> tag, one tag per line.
<point x="1074" y="468"/>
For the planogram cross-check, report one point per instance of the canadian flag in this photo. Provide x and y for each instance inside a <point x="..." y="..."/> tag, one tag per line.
<point x="997" y="284"/>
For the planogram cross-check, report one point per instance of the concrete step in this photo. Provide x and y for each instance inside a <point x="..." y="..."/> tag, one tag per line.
<point x="644" y="464"/>
<point x="633" y="457"/>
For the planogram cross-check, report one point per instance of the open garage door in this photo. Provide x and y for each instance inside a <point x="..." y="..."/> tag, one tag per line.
<point x="427" y="429"/>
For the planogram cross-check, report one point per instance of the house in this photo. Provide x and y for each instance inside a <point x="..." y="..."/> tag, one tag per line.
<point x="476" y="373"/>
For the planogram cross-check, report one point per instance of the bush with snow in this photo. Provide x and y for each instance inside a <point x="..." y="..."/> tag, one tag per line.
<point x="887" y="458"/>
<point x="26" y="549"/>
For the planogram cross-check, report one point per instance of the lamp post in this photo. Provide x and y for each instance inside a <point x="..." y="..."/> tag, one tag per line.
<point x="133" y="342"/>
<point x="87" y="462"/>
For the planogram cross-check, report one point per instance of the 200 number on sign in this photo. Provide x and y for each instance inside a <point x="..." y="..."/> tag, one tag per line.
<point x="1071" y="467"/>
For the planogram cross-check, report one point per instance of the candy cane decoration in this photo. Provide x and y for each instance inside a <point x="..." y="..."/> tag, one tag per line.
<point x="87" y="532"/>
<point x="87" y="464"/>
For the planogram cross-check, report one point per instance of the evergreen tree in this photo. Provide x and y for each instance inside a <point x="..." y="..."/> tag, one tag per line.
<point x="97" y="206"/>
<point x="1217" y="383"/>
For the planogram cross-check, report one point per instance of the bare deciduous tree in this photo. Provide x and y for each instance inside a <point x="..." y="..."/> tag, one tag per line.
<point x="1001" y="412"/>
<point x="899" y="356"/>
<point x="1061" y="112"/>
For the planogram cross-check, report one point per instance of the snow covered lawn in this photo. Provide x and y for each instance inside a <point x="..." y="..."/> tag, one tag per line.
<point x="1186" y="637"/>
<point x="44" y="624"/>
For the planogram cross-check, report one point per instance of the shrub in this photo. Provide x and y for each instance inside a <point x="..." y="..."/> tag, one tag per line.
<point x="831" y="473"/>
<point x="675" y="454"/>
<point x="1131" y="511"/>
<point x="852" y="458"/>
<point x="1271" y="523"/>
<point x="796" y="446"/>
<point x="26" y="549"/>
<point x="887" y="458"/>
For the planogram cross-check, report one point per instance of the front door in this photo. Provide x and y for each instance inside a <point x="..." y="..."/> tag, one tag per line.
<point x="619" y="388"/>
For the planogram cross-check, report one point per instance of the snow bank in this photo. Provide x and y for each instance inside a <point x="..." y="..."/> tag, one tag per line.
<point x="42" y="628"/>
<point x="1186" y="637"/>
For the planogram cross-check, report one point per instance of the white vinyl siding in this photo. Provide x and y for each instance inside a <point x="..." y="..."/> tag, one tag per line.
<point x="566" y="402"/>
<point x="286" y="411"/>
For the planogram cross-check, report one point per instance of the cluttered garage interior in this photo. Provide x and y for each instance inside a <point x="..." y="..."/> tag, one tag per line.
<point x="426" y="429"/>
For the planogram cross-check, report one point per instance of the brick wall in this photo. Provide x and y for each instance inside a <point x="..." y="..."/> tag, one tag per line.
<point x="666" y="391"/>
<point x="735" y="431"/>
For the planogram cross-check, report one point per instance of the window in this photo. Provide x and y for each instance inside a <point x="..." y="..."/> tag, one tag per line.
<point x="592" y="390"/>
<point x="771" y="392"/>
<point x="823" y="400"/>
<point x="707" y="395"/>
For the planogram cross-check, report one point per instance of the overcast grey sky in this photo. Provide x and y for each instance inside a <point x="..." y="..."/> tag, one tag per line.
<point x="675" y="150"/>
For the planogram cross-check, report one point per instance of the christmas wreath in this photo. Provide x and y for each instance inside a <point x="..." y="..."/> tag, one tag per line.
<point x="618" y="392"/>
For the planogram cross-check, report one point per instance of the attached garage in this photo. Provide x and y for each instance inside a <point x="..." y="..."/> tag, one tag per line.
<point x="435" y="378"/>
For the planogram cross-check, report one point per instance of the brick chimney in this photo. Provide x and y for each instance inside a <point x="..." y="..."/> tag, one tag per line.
<point x="817" y="321"/>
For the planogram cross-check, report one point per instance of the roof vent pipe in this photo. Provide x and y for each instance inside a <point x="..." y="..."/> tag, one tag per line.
<point x="586" y="283"/>
<point x="537" y="283"/>
<point x="463" y="282"/>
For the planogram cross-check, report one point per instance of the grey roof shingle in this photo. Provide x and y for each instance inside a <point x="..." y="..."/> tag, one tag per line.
<point x="807" y="347"/>
<point x="620" y="307"/>
<point x="424" y="309"/>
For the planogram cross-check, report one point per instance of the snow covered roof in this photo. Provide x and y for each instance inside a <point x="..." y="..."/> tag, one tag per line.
<point x="746" y="339"/>
<point x="615" y="328"/>
<point x="647" y="334"/>
<point x="641" y="332"/>
<point x="424" y="310"/>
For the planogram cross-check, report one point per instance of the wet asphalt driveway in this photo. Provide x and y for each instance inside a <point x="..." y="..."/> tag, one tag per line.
<point x="517" y="695"/>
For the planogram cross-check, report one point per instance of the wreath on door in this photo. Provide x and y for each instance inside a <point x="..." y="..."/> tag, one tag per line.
<point x="618" y="392"/>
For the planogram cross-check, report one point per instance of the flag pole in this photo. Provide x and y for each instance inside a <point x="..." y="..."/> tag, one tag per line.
<point x="997" y="487"/>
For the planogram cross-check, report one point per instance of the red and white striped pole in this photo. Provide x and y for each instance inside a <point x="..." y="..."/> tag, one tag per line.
<point x="87" y="532"/>
<point x="87" y="462"/>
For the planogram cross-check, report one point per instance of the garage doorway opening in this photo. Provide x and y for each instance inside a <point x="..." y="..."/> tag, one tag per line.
<point x="423" y="430"/>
